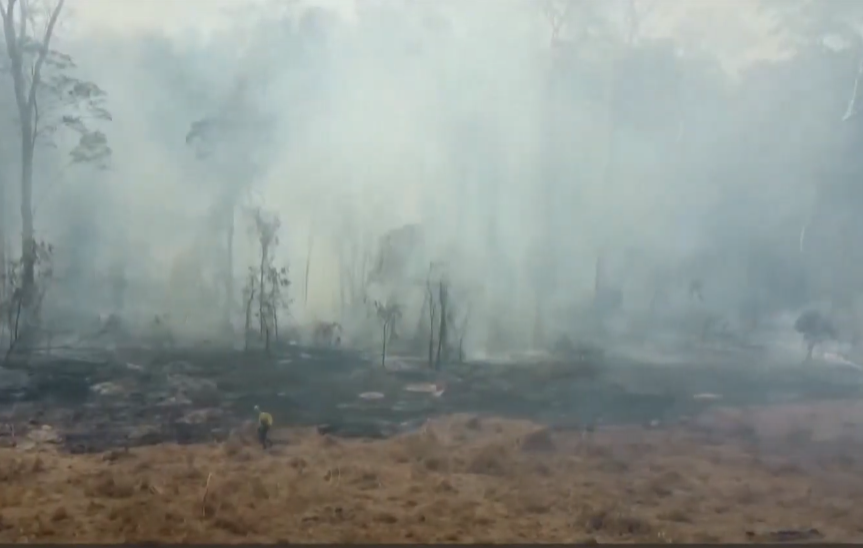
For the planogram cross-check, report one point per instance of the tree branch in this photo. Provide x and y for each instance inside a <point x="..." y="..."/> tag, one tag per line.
<point x="13" y="49"/>
<point x="43" y="52"/>
<point x="35" y="132"/>
<point x="851" y="111"/>
<point x="22" y="19"/>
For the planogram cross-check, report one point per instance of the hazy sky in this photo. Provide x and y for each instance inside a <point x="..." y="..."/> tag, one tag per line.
<point x="167" y="15"/>
<point x="490" y="76"/>
<point x="733" y="27"/>
<point x="134" y="15"/>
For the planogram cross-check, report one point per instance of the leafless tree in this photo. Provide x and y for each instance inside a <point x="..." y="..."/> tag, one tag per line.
<point x="231" y="140"/>
<point x="269" y="282"/>
<point x="461" y="333"/>
<point x="249" y="294"/>
<point x="442" y="338"/>
<point x="432" y="311"/>
<point x="388" y="314"/>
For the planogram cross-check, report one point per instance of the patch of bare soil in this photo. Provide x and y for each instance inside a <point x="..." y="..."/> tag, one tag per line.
<point x="462" y="479"/>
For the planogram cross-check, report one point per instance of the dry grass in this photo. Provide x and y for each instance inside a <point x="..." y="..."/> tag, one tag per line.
<point x="460" y="480"/>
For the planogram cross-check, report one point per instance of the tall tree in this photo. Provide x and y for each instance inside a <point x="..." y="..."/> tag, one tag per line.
<point x="48" y="97"/>
<point x="230" y="140"/>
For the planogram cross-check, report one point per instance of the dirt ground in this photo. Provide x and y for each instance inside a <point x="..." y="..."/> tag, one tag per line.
<point x="735" y="476"/>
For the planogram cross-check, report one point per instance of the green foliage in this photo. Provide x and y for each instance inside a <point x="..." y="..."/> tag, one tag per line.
<point x="65" y="101"/>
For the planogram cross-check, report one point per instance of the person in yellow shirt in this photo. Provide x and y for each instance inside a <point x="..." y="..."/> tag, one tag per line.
<point x="265" y="422"/>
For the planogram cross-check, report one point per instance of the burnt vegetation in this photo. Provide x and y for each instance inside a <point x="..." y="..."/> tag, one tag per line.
<point x="393" y="228"/>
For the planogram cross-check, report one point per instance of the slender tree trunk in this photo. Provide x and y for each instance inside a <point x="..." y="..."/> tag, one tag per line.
<point x="419" y="331"/>
<point x="28" y="248"/>
<point x="443" y="297"/>
<point x="431" y="309"/>
<point x="261" y="293"/>
<point x="25" y="99"/>
<point x="248" y="317"/>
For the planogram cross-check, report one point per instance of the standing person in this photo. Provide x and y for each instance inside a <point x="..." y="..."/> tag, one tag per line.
<point x="265" y="422"/>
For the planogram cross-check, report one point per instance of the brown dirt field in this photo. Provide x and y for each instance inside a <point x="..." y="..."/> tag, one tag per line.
<point x="737" y="476"/>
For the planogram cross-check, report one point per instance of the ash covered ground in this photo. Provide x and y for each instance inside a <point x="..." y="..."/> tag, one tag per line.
<point x="159" y="445"/>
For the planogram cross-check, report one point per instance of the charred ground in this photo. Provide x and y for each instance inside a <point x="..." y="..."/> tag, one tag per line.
<point x="159" y="446"/>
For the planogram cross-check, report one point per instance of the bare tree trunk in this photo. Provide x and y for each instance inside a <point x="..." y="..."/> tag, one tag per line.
<point x="443" y="291"/>
<point x="462" y="332"/>
<point x="248" y="318"/>
<point x="28" y="113"/>
<point x="28" y="247"/>
<point x="261" y="294"/>
<point x="432" y="310"/>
